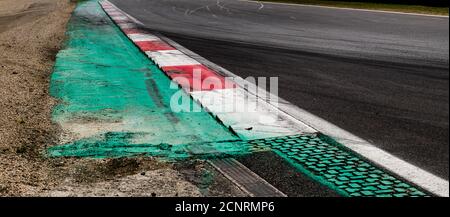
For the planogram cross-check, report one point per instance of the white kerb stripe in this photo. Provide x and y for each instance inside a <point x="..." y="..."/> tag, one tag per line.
<point x="246" y="116"/>
<point x="120" y="17"/>
<point x="115" y="13"/>
<point x="171" y="58"/>
<point x="142" y="37"/>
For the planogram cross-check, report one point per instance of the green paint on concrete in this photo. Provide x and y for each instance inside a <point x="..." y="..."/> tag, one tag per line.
<point x="106" y="86"/>
<point x="112" y="145"/>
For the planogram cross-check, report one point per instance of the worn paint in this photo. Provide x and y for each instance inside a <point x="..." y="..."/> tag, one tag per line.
<point x="106" y="86"/>
<point x="113" y="145"/>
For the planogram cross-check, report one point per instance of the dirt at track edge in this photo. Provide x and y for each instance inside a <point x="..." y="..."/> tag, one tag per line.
<point x="31" y="34"/>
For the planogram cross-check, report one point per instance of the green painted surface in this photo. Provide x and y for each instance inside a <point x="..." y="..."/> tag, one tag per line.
<point x="106" y="85"/>
<point x="333" y="165"/>
<point x="111" y="145"/>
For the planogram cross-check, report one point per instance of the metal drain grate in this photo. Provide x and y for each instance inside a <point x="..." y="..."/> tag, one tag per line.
<point x="333" y="165"/>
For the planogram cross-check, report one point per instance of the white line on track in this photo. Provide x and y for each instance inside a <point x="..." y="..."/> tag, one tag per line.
<point x="343" y="8"/>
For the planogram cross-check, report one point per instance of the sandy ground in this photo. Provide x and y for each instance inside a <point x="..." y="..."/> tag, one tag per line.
<point x="31" y="33"/>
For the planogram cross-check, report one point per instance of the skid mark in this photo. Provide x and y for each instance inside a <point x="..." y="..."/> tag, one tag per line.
<point x="153" y="92"/>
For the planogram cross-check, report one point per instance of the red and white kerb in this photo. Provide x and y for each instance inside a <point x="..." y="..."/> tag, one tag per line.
<point x="172" y="61"/>
<point x="254" y="120"/>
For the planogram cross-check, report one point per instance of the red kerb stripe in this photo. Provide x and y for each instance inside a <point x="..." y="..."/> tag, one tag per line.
<point x="153" y="45"/>
<point x="208" y="80"/>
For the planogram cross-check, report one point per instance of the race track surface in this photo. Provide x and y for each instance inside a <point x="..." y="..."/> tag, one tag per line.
<point x="381" y="76"/>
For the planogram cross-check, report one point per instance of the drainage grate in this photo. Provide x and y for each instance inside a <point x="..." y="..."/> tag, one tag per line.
<point x="333" y="165"/>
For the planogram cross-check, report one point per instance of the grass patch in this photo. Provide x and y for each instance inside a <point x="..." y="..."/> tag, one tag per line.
<point x="372" y="6"/>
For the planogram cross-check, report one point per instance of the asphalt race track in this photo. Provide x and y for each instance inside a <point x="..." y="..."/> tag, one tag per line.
<point x="381" y="76"/>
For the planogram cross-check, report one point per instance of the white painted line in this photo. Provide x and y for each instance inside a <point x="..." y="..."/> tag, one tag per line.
<point x="137" y="37"/>
<point x="171" y="58"/>
<point x="351" y="9"/>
